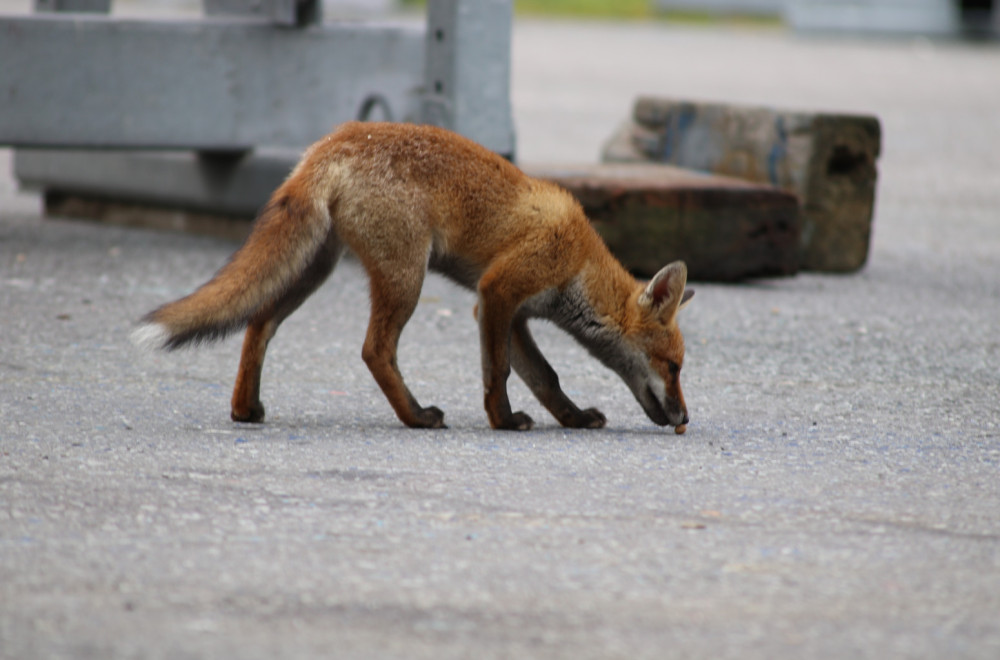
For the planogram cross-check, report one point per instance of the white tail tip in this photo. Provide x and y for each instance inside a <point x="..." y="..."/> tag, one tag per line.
<point x="150" y="336"/>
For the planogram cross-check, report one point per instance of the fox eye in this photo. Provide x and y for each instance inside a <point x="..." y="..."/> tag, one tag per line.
<point x="674" y="367"/>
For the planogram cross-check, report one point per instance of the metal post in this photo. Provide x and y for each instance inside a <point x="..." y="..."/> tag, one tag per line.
<point x="467" y="73"/>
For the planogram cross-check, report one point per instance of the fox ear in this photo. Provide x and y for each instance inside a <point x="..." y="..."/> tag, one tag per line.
<point x="685" y="299"/>
<point x="665" y="293"/>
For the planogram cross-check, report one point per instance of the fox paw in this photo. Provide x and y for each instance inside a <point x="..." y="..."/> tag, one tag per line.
<point x="518" y="421"/>
<point x="591" y="418"/>
<point x="430" y="417"/>
<point x="253" y="413"/>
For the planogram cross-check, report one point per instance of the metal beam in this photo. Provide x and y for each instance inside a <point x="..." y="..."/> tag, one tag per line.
<point x="98" y="82"/>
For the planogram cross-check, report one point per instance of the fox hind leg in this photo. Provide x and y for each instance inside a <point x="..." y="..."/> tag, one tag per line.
<point x="246" y="405"/>
<point x="394" y="296"/>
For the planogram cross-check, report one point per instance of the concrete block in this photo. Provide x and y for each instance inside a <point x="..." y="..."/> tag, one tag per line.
<point x="827" y="160"/>
<point x="725" y="229"/>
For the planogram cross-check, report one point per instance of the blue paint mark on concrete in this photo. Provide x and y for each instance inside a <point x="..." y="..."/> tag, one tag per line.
<point x="679" y="120"/>
<point x="778" y="152"/>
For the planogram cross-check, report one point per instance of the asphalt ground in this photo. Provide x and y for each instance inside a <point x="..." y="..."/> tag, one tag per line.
<point x="836" y="495"/>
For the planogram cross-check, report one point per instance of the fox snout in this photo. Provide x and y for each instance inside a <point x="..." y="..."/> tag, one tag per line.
<point x="679" y="415"/>
<point x="662" y="408"/>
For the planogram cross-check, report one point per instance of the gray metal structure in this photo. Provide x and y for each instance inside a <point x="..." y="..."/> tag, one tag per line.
<point x="936" y="18"/>
<point x="210" y="114"/>
<point x="928" y="17"/>
<point x="724" y="6"/>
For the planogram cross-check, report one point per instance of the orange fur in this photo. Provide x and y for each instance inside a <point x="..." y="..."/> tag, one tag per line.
<point x="404" y="198"/>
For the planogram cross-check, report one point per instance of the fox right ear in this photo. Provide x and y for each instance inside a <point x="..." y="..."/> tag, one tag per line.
<point x="665" y="293"/>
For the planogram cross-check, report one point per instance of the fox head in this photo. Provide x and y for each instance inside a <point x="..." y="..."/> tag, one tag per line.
<point x="658" y="346"/>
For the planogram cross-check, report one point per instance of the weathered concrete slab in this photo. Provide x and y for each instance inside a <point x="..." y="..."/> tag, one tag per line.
<point x="828" y="160"/>
<point x="724" y="228"/>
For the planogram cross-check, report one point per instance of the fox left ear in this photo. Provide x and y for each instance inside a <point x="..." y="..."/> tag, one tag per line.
<point x="685" y="299"/>
<point x="665" y="293"/>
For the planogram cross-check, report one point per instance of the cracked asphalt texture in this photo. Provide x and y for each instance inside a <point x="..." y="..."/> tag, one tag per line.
<point x="837" y="493"/>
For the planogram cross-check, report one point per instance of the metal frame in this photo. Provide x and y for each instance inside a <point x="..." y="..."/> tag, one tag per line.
<point x="235" y="96"/>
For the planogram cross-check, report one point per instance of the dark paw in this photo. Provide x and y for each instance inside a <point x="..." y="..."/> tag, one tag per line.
<point x="518" y="422"/>
<point x="430" y="417"/>
<point x="591" y="418"/>
<point x="253" y="414"/>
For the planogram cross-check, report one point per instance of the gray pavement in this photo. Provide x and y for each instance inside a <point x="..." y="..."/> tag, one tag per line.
<point x="836" y="495"/>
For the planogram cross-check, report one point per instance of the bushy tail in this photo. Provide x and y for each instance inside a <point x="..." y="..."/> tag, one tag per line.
<point x="287" y="237"/>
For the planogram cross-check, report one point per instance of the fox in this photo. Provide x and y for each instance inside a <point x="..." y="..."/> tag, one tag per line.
<point x="406" y="199"/>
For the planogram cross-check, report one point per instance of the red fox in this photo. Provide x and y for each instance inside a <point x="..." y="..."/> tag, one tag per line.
<point x="405" y="199"/>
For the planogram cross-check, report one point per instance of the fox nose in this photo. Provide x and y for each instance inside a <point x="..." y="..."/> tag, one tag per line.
<point x="685" y="420"/>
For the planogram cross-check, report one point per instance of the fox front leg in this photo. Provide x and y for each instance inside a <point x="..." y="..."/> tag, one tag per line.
<point x="541" y="378"/>
<point x="495" y="312"/>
